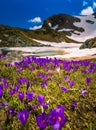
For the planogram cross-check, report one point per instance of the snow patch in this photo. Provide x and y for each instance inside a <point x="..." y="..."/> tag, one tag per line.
<point x="59" y="45"/>
<point x="54" y="27"/>
<point x="64" y="29"/>
<point x="50" y="25"/>
<point x="71" y="49"/>
<point x="90" y="29"/>
<point x="35" y="27"/>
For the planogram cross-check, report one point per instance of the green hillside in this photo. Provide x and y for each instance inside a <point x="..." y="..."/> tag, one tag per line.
<point x="15" y="37"/>
<point x="10" y="36"/>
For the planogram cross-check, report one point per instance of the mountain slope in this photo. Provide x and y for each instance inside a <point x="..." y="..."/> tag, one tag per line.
<point x="62" y="22"/>
<point x="79" y="28"/>
<point x="56" y="28"/>
<point x="15" y="37"/>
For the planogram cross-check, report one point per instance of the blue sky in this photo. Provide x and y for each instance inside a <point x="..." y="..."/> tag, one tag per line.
<point x="30" y="14"/>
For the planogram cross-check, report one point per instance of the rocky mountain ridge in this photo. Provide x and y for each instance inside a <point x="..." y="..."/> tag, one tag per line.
<point x="56" y="28"/>
<point x="62" y="21"/>
<point x="90" y="43"/>
<point x="79" y="28"/>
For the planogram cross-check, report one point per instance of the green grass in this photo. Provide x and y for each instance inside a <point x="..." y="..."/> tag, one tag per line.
<point x="94" y="45"/>
<point x="49" y="35"/>
<point x="10" y="35"/>
<point x="83" y="117"/>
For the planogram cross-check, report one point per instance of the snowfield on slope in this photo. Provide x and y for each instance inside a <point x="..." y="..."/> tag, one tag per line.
<point x="89" y="27"/>
<point x="70" y="50"/>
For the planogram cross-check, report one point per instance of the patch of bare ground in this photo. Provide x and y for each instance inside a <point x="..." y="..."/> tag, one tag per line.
<point x="88" y="57"/>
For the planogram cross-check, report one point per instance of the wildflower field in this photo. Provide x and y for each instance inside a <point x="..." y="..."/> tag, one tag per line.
<point x="49" y="94"/>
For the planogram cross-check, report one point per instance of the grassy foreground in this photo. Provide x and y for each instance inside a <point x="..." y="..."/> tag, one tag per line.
<point x="44" y="93"/>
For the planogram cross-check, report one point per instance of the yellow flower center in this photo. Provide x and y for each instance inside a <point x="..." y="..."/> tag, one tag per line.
<point x="60" y="119"/>
<point x="43" y="121"/>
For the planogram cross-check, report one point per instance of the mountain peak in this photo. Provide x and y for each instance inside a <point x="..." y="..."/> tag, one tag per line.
<point x="63" y="21"/>
<point x="81" y="27"/>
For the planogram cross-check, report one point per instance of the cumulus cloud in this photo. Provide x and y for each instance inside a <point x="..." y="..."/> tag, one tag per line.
<point x="35" y="27"/>
<point x="85" y="3"/>
<point x="87" y="11"/>
<point x="94" y="5"/>
<point x="35" y="20"/>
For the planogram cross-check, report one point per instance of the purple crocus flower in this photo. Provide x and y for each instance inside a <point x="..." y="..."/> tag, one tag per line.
<point x="1" y="105"/>
<point x="16" y="87"/>
<point x="22" y="80"/>
<point x="33" y="107"/>
<point x="52" y="117"/>
<point x="19" y="69"/>
<point x="44" y="84"/>
<point x="6" y="84"/>
<point x="64" y="89"/>
<point x="8" y="65"/>
<point x="42" y="121"/>
<point x="28" y="85"/>
<point x="11" y="111"/>
<point x="29" y="96"/>
<point x="56" y="126"/>
<point x="57" y="118"/>
<point x="60" y="109"/>
<point x="12" y="91"/>
<point x="1" y="86"/>
<point x="58" y="83"/>
<point x="32" y="68"/>
<point x="4" y="104"/>
<point x="21" y="95"/>
<point x="1" y="93"/>
<point x="3" y="79"/>
<point x="71" y="83"/>
<point x="23" y="116"/>
<point x="47" y="69"/>
<point x="2" y="56"/>
<point x="61" y="120"/>
<point x="66" y="79"/>
<point x="41" y="99"/>
<point x="84" y="91"/>
<point x="46" y="105"/>
<point x="74" y="104"/>
<point x="88" y="81"/>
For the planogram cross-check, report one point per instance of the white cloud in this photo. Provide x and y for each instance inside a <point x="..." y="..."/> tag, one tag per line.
<point x="35" y="20"/>
<point x="94" y="5"/>
<point x="87" y="11"/>
<point x="85" y="3"/>
<point x="35" y="27"/>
